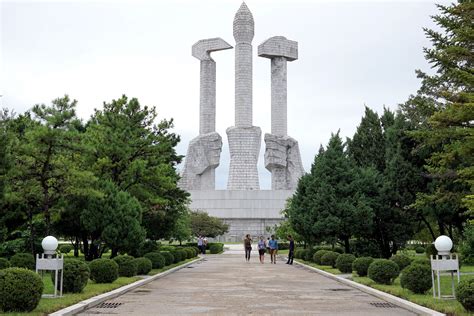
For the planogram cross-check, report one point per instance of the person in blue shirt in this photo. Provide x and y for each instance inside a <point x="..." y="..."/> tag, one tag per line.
<point x="273" y="249"/>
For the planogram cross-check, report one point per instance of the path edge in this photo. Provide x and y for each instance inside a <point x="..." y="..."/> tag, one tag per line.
<point x="96" y="300"/>
<point x="413" y="307"/>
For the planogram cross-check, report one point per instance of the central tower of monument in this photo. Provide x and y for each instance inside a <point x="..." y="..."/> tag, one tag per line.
<point x="244" y="138"/>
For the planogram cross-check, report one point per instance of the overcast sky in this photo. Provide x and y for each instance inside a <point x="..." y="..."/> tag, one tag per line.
<point x="351" y="54"/>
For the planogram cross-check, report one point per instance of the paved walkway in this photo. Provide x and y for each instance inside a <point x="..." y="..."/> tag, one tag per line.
<point x="227" y="285"/>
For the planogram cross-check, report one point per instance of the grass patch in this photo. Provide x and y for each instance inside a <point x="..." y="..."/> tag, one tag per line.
<point x="450" y="307"/>
<point x="49" y="305"/>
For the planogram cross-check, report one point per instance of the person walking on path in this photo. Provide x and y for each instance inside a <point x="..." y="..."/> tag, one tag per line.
<point x="262" y="248"/>
<point x="201" y="246"/>
<point x="248" y="247"/>
<point x="291" y="252"/>
<point x="273" y="248"/>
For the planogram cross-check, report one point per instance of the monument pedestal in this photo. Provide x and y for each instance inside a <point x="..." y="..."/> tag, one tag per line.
<point x="246" y="212"/>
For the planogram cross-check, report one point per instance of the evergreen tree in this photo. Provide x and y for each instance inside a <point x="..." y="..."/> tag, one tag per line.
<point x="445" y="105"/>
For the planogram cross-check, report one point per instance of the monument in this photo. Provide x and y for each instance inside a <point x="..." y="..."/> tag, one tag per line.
<point x="246" y="208"/>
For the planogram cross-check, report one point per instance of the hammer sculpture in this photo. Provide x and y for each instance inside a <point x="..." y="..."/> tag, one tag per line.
<point x="282" y="155"/>
<point x="204" y="151"/>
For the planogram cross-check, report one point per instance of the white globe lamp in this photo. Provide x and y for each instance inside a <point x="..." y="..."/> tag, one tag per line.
<point x="443" y="244"/>
<point x="49" y="244"/>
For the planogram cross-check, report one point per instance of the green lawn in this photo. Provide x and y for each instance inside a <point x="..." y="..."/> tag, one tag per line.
<point x="324" y="268"/>
<point x="49" y="305"/>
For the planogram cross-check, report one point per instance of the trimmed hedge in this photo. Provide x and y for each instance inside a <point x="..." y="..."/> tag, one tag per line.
<point x="344" y="262"/>
<point x="157" y="259"/>
<point x="416" y="278"/>
<point x="361" y="265"/>
<point x="166" y="248"/>
<point x="4" y="263"/>
<point x="299" y="253"/>
<point x="144" y="265"/>
<point x="76" y="276"/>
<point x="419" y="249"/>
<point x="465" y="294"/>
<point x="20" y="290"/>
<point x="184" y="254"/>
<point x="177" y="256"/>
<point x="23" y="260"/>
<point x="329" y="258"/>
<point x="216" y="248"/>
<point x="65" y="248"/>
<point x="402" y="261"/>
<point x="308" y="254"/>
<point x="424" y="261"/>
<point x="169" y="258"/>
<point x="127" y="265"/>
<point x="383" y="271"/>
<point x="103" y="270"/>
<point x="318" y="255"/>
<point x="189" y="252"/>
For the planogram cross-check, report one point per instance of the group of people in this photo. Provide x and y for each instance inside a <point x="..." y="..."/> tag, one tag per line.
<point x="269" y="245"/>
<point x="202" y="244"/>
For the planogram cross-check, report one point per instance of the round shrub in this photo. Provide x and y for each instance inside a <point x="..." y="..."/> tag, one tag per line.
<point x="20" y="290"/>
<point x="215" y="248"/>
<point x="104" y="270"/>
<point x="157" y="260"/>
<point x="318" y="255"/>
<point x="361" y="265"/>
<point x="329" y="258"/>
<point x="416" y="278"/>
<point x="430" y="250"/>
<point x="401" y="260"/>
<point x="189" y="252"/>
<point x="167" y="248"/>
<point x="383" y="271"/>
<point x="169" y="259"/>
<point x="344" y="262"/>
<point x="308" y="255"/>
<point x="419" y="249"/>
<point x="338" y="249"/>
<point x="127" y="265"/>
<point x="144" y="265"/>
<point x="465" y="294"/>
<point x="299" y="253"/>
<point x="76" y="275"/>
<point x="66" y="248"/>
<point x="177" y="256"/>
<point x="184" y="254"/>
<point x="23" y="260"/>
<point x="4" y="263"/>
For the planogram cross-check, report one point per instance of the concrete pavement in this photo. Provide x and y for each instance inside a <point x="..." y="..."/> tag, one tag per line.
<point x="227" y="285"/>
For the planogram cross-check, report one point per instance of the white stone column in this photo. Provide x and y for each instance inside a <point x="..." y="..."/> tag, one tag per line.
<point x="279" y="96"/>
<point x="207" y="97"/>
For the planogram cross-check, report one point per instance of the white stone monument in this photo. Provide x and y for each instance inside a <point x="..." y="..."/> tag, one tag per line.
<point x="246" y="208"/>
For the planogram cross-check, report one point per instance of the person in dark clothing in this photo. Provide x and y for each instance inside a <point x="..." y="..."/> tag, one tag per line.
<point x="291" y="253"/>
<point x="248" y="247"/>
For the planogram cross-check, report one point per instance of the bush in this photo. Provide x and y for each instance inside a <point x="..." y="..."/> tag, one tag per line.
<point x="329" y="258"/>
<point x="167" y="248"/>
<point x="467" y="245"/>
<point x="184" y="254"/>
<point x="157" y="259"/>
<point x="216" y="248"/>
<point x="144" y="265"/>
<point x="361" y="265"/>
<point x="76" y="275"/>
<point x="20" y="290"/>
<point x="23" y="260"/>
<point x="419" y="249"/>
<point x="177" y="256"/>
<point x="127" y="265"/>
<point x="430" y="250"/>
<point x="416" y="278"/>
<point x="169" y="258"/>
<point x="318" y="255"/>
<point x="147" y="247"/>
<point x="402" y="261"/>
<point x="308" y="254"/>
<point x="4" y="263"/>
<point x="338" y="249"/>
<point x="189" y="252"/>
<point x="104" y="270"/>
<point x="383" y="271"/>
<point x="299" y="253"/>
<point x="465" y="294"/>
<point x="65" y="248"/>
<point x="344" y="262"/>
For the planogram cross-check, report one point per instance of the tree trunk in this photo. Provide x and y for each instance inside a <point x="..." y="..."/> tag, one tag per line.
<point x="114" y="253"/>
